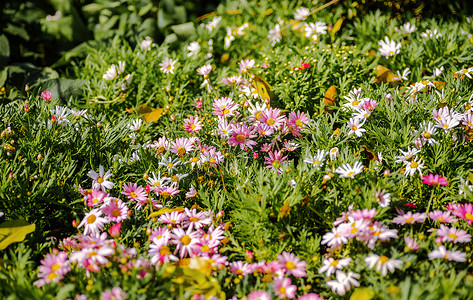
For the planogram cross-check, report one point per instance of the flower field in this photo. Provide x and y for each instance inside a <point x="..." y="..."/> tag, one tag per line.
<point x="258" y="150"/>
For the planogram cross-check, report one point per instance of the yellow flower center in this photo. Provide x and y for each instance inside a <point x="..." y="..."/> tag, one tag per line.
<point x="95" y="201"/>
<point x="468" y="216"/>
<point x="354" y="128"/>
<point x="194" y="219"/>
<point x="290" y="265"/>
<point x="354" y="230"/>
<point x="453" y="236"/>
<point x="181" y="151"/>
<point x="351" y="174"/>
<point x="164" y="250"/>
<point x="383" y="259"/>
<point x="116" y="212"/>
<point x="355" y="103"/>
<point x="225" y="111"/>
<point x="205" y="248"/>
<point x="282" y="290"/>
<point x="334" y="263"/>
<point x="55" y="267"/>
<point x="270" y="121"/>
<point x="192" y="126"/>
<point x="100" y="180"/>
<point x="240" y="138"/>
<point x="426" y="135"/>
<point x="186" y="240"/>
<point x="133" y="195"/>
<point x="170" y="165"/>
<point x="51" y="276"/>
<point x="299" y="123"/>
<point x="93" y="253"/>
<point x="91" y="219"/>
<point x="414" y="165"/>
<point x="276" y="164"/>
<point x="410" y="220"/>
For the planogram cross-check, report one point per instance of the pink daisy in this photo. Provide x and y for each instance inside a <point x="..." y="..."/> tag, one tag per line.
<point x="204" y="70"/>
<point x="275" y="160"/>
<point x="96" y="197"/>
<point x="100" y="180"/>
<point x="182" y="146"/>
<point x="452" y="234"/>
<point x="196" y="220"/>
<point x="134" y="192"/>
<point x="172" y="218"/>
<point x="296" y="122"/>
<point x="410" y="218"/>
<point x="185" y="241"/>
<point x="242" y="135"/>
<point x="53" y="268"/>
<point x="292" y="264"/>
<point x="116" y="210"/>
<point x="443" y="253"/>
<point x="162" y="234"/>
<point x="46" y="96"/>
<point x="93" y="222"/>
<point x="273" y="118"/>
<point x="160" y="253"/>
<point x="224" y="107"/>
<point x="167" y="191"/>
<point x="115" y="294"/>
<point x="442" y="216"/>
<point x="240" y="268"/>
<point x="465" y="212"/>
<point x="411" y="244"/>
<point x="192" y="125"/>
<point x="259" y="295"/>
<point x="432" y="179"/>
<point x="310" y="296"/>
<point x="284" y="289"/>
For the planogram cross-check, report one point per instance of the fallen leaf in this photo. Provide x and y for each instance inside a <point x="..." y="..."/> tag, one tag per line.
<point x="14" y="231"/>
<point x="149" y="114"/>
<point x="383" y="74"/>
<point x="329" y="98"/>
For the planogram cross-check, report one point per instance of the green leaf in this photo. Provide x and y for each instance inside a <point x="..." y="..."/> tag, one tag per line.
<point x="186" y="30"/>
<point x="92" y="9"/>
<point x="4" y="50"/>
<point x="14" y="231"/>
<point x="164" y="19"/>
<point x="18" y="31"/>
<point x="63" y="89"/>
<point x="180" y="15"/>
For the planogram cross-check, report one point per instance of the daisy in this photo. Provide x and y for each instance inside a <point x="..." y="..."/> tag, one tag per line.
<point x="274" y="35"/>
<point x="192" y="193"/>
<point x="53" y="268"/>
<point x="443" y="253"/>
<point x="205" y="70"/>
<point x="343" y="282"/>
<point x="333" y="153"/>
<point x="100" y="180"/>
<point x="193" y="49"/>
<point x="167" y="191"/>
<point x="195" y="219"/>
<point x="447" y="123"/>
<point x="60" y="114"/>
<point x="134" y="192"/>
<point x="406" y="155"/>
<point x="290" y="146"/>
<point x="330" y="265"/>
<point x="145" y="45"/>
<point x="428" y="34"/>
<point x="274" y="160"/>
<point x="389" y="47"/>
<point x="240" y="268"/>
<point x="172" y="218"/>
<point x="96" y="197"/>
<point x="92" y="256"/>
<point x="413" y="166"/>
<point x="432" y="179"/>
<point x="312" y="30"/>
<point x="296" y="122"/>
<point x="46" y="96"/>
<point x="292" y="264"/>
<point x="224" y="107"/>
<point x="273" y="118"/>
<point x="111" y="73"/>
<point x="284" y="289"/>
<point x="242" y="135"/>
<point x="93" y="222"/>
<point x="116" y="294"/>
<point x="259" y="295"/>
<point x="167" y="65"/>
<point x="407" y="28"/>
<point x="410" y="218"/>
<point x="157" y="181"/>
<point x="442" y="216"/>
<point x="383" y="198"/>
<point x="160" y="253"/>
<point x="246" y="65"/>
<point x="192" y="125"/>
<point x="378" y="232"/>
<point x="233" y="80"/>
<point x="116" y="210"/>
<point x="410" y="244"/>
<point x="347" y="171"/>
<point x="335" y="238"/>
<point x="301" y="13"/>
<point x="161" y="234"/>
<point x="452" y="234"/>
<point x="382" y="263"/>
<point x="428" y="132"/>
<point x="256" y="111"/>
<point x="355" y="127"/>
<point x="135" y="125"/>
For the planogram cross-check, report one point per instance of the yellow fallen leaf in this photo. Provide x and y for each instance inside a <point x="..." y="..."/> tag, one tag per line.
<point x="329" y="97"/>
<point x="149" y="114"/>
<point x="383" y="74"/>
<point x="14" y="231"/>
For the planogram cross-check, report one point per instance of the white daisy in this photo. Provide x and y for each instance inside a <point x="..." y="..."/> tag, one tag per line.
<point x="389" y="47"/>
<point x="347" y="171"/>
<point x="382" y="263"/>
